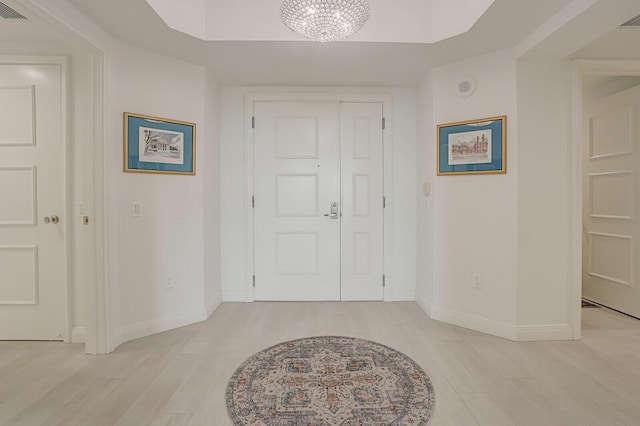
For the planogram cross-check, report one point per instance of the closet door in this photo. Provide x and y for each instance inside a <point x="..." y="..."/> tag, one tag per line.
<point x="33" y="275"/>
<point x="611" y="202"/>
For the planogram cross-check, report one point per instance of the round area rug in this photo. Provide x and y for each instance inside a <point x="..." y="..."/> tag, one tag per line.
<point x="330" y="381"/>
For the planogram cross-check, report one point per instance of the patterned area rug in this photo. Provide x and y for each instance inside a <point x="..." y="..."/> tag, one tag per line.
<point x="330" y="381"/>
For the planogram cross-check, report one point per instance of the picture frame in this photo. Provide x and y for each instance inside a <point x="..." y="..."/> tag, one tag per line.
<point x="159" y="145"/>
<point x="472" y="147"/>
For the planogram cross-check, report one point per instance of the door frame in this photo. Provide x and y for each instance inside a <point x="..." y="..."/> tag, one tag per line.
<point x="98" y="268"/>
<point x="387" y="139"/>
<point x="582" y="68"/>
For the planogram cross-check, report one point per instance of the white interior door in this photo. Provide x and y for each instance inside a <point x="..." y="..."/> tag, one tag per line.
<point x="362" y="201"/>
<point x="318" y="211"/>
<point x="297" y="239"/>
<point x="32" y="189"/>
<point x="611" y="207"/>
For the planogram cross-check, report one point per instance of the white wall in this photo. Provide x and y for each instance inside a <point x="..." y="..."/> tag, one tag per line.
<point x="488" y="201"/>
<point x="404" y="179"/>
<point x="171" y="236"/>
<point x="233" y="195"/>
<point x="426" y="173"/>
<point x="521" y="243"/>
<point x="545" y="174"/>
<point x="210" y="153"/>
<point x="233" y="232"/>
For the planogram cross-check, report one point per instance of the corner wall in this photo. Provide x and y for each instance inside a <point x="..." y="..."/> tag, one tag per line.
<point x="172" y="237"/>
<point x="210" y="149"/>
<point x="474" y="227"/>
<point x="426" y="171"/>
<point x="545" y="200"/>
<point x="513" y="229"/>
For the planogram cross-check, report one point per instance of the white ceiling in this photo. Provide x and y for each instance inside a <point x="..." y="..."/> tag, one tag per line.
<point x="346" y="63"/>
<point x="406" y="21"/>
<point x="505" y="24"/>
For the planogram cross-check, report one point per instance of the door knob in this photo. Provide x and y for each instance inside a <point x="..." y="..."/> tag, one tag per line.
<point x="52" y="219"/>
<point x="334" y="210"/>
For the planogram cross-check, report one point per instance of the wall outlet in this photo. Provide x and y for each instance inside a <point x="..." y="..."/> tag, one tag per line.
<point x="476" y="280"/>
<point x="169" y="282"/>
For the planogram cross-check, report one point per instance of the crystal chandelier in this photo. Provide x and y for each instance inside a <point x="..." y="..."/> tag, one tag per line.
<point x="324" y="20"/>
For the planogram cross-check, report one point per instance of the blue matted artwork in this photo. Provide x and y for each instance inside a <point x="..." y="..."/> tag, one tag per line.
<point x="473" y="147"/>
<point x="159" y="145"/>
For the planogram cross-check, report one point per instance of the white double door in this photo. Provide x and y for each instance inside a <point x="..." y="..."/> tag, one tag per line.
<point x="611" y="197"/>
<point x="318" y="191"/>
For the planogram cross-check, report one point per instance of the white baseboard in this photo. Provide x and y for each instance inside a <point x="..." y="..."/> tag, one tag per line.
<point x="531" y="333"/>
<point x="474" y="322"/>
<point x="78" y="335"/>
<point x="154" y="326"/>
<point x="519" y="333"/>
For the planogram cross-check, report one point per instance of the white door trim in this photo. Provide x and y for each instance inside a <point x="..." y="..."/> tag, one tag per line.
<point x="581" y="68"/>
<point x="60" y="14"/>
<point x="387" y="136"/>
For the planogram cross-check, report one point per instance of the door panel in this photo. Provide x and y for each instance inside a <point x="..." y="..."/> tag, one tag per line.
<point x="17" y="119"/>
<point x="362" y="209"/>
<point x="297" y="248"/>
<point x="32" y="187"/>
<point x="610" y="202"/>
<point x="18" y="193"/>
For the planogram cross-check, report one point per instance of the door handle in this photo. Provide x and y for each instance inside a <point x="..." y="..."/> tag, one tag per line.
<point x="52" y="219"/>
<point x="334" y="211"/>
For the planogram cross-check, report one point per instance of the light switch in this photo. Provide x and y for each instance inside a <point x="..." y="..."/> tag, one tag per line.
<point x="426" y="188"/>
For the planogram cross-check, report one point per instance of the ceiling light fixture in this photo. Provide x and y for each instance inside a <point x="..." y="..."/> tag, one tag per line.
<point x="324" y="20"/>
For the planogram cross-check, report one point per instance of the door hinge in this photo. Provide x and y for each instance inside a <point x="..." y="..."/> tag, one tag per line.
<point x="384" y="281"/>
<point x="253" y="202"/>
<point x="384" y="202"/>
<point x="253" y="122"/>
<point x="254" y="281"/>
<point x="384" y="123"/>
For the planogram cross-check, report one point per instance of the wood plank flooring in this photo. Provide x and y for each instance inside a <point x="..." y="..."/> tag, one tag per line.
<point x="179" y="377"/>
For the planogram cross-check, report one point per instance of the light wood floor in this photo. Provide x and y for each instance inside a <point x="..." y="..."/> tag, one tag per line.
<point x="179" y="377"/>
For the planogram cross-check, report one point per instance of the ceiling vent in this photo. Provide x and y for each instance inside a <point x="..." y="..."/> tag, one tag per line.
<point x="633" y="22"/>
<point x="8" y="13"/>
